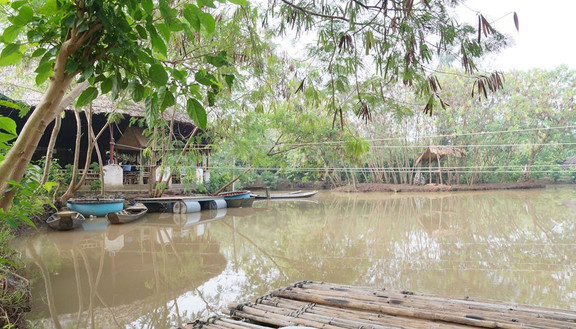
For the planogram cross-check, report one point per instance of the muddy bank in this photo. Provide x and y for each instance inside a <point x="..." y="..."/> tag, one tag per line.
<point x="375" y="187"/>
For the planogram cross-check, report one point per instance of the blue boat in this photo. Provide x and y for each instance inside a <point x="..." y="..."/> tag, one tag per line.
<point x="95" y="207"/>
<point x="235" y="195"/>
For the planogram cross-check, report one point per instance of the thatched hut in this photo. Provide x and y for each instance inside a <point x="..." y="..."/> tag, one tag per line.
<point x="127" y="139"/>
<point x="570" y="162"/>
<point x="434" y="154"/>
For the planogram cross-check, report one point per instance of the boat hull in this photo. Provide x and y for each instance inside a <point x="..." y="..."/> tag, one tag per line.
<point x="237" y="203"/>
<point x="286" y="195"/>
<point x="123" y="218"/>
<point x="65" y="221"/>
<point x="235" y="195"/>
<point x="94" y="207"/>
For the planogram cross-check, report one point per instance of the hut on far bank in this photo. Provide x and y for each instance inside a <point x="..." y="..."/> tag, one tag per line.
<point x="570" y="162"/>
<point x="434" y="154"/>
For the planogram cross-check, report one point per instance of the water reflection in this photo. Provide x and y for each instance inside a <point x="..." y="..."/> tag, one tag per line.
<point x="168" y="269"/>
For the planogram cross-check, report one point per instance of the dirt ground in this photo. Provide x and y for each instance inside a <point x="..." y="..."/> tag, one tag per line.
<point x="375" y="187"/>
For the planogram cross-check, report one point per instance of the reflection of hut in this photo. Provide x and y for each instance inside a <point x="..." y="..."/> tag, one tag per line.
<point x="434" y="154"/>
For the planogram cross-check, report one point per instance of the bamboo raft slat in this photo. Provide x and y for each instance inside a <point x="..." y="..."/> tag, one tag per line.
<point x="331" y="306"/>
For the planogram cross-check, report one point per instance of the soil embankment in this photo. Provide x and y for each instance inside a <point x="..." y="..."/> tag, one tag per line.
<point x="375" y="187"/>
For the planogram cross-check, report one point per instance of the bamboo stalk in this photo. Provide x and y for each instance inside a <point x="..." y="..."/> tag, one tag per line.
<point x="245" y="324"/>
<point x="469" y="303"/>
<point x="501" y="313"/>
<point x="392" y="310"/>
<point x="233" y="180"/>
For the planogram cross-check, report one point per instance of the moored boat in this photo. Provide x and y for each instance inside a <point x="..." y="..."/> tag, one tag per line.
<point x="65" y="220"/>
<point x="235" y="195"/>
<point x="127" y="215"/>
<point x="95" y="207"/>
<point x="285" y="195"/>
<point x="240" y="203"/>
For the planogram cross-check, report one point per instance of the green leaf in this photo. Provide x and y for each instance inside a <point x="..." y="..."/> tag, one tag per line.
<point x="71" y="66"/>
<point x="87" y="96"/>
<point x="218" y="61"/>
<point x="10" y="49"/>
<point x="138" y="92"/>
<point x="11" y="59"/>
<point x="157" y="42"/>
<point x="191" y="13"/>
<point x="25" y="15"/>
<point x="168" y="100"/>
<point x="38" y="52"/>
<point x="206" y="3"/>
<point x="106" y="85"/>
<point x="148" y="6"/>
<point x="141" y="31"/>
<point x="242" y="3"/>
<point x="259" y="108"/>
<point x="208" y="22"/>
<point x="8" y="125"/>
<point x="87" y="73"/>
<point x="164" y="31"/>
<point x="229" y="79"/>
<point x="204" y="78"/>
<point x="44" y="72"/>
<point x="11" y="33"/>
<point x="49" y="8"/>
<point x="48" y="186"/>
<point x="158" y="75"/>
<point x="197" y="113"/>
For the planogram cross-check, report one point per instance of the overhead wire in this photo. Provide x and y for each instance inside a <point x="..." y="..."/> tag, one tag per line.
<point x="429" y="136"/>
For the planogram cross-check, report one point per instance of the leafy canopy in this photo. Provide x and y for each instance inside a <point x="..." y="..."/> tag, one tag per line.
<point x="368" y="47"/>
<point x="120" y="45"/>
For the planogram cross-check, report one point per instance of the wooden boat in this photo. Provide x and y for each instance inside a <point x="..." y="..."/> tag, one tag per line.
<point x="235" y="195"/>
<point x="238" y="203"/>
<point x="95" y="207"/>
<point x="127" y="215"/>
<point x="65" y="220"/>
<point x="286" y="195"/>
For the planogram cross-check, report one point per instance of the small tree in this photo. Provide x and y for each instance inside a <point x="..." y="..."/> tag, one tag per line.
<point x="117" y="45"/>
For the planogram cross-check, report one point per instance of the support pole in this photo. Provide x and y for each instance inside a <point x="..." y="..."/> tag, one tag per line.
<point x="112" y="142"/>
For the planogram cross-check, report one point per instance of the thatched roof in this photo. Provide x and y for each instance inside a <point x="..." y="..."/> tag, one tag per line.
<point x="101" y="105"/>
<point x="570" y="162"/>
<point x="132" y="140"/>
<point x="433" y="153"/>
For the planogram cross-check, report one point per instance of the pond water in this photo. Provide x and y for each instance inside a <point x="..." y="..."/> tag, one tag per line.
<point x="164" y="270"/>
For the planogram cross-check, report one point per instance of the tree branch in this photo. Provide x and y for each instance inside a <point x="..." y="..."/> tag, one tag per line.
<point x="306" y="11"/>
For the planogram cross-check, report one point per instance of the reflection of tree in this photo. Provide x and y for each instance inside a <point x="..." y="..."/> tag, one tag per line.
<point x="105" y="284"/>
<point x="488" y="244"/>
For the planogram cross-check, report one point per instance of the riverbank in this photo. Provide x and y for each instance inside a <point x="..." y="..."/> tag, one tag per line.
<point x="376" y="187"/>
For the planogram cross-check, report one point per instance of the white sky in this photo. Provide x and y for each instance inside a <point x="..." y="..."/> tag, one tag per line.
<point x="546" y="37"/>
<point x="545" y="40"/>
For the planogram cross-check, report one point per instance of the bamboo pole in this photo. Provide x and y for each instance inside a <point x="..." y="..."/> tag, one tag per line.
<point x="397" y="311"/>
<point x="444" y="306"/>
<point x="528" y="313"/>
<point x="233" y="180"/>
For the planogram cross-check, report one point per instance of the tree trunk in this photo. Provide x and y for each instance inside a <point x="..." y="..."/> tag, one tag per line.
<point x="70" y="191"/>
<point x="16" y="161"/>
<point x="50" y="150"/>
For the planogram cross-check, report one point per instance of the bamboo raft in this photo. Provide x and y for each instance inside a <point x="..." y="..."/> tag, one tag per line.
<point x="330" y="306"/>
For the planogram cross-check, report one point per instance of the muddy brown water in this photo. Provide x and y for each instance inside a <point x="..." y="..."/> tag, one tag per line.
<point x="165" y="270"/>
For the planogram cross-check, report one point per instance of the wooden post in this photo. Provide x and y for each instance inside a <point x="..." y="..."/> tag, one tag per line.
<point x="267" y="193"/>
<point x="439" y="169"/>
<point x="430" y="169"/>
<point x="111" y="145"/>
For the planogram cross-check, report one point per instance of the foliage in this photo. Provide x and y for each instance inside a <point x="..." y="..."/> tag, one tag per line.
<point x="120" y="46"/>
<point x="30" y="198"/>
<point x="365" y="48"/>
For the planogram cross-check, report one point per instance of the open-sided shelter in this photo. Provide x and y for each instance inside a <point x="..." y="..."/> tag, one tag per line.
<point x="435" y="154"/>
